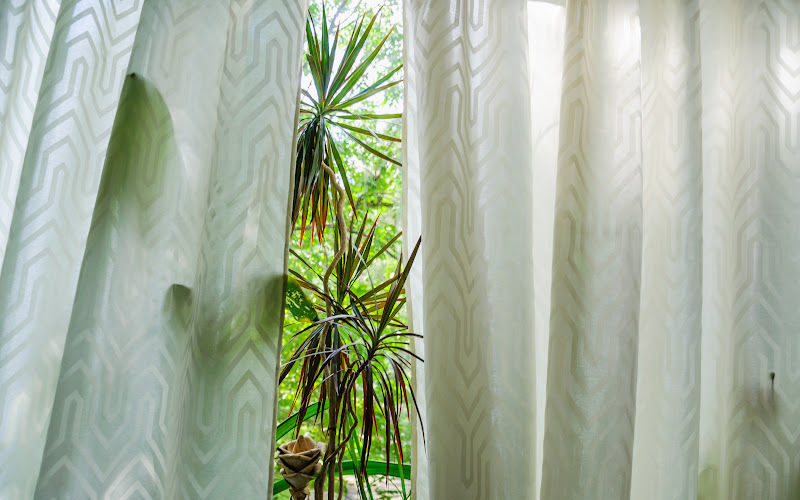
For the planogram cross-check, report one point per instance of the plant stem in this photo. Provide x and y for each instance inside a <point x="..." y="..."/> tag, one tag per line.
<point x="331" y="386"/>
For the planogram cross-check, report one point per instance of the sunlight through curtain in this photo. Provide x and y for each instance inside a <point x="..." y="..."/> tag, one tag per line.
<point x="608" y="198"/>
<point x="145" y="153"/>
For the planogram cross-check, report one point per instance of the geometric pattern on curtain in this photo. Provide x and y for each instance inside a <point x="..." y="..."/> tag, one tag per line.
<point x="650" y="198"/>
<point x="143" y="224"/>
<point x="468" y="155"/>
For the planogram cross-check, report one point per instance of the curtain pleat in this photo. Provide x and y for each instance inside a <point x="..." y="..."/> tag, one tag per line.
<point x="750" y="445"/>
<point x="665" y="452"/>
<point x="471" y="127"/>
<point x="659" y="204"/>
<point x="546" y="41"/>
<point x="141" y="285"/>
<point x="594" y="312"/>
<point x="58" y="180"/>
<point x="26" y="28"/>
<point x="412" y="230"/>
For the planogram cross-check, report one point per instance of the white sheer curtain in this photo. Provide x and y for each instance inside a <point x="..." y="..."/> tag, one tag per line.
<point x="609" y="281"/>
<point x="143" y="223"/>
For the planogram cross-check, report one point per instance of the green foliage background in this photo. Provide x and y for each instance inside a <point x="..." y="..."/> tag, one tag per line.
<point x="376" y="185"/>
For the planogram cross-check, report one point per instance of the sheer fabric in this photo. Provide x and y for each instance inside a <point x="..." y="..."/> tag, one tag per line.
<point x="143" y="224"/>
<point x="607" y="193"/>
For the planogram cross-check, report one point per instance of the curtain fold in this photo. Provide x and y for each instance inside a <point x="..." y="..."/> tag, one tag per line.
<point x="594" y="313"/>
<point x="145" y="180"/>
<point x="470" y="123"/>
<point x="670" y="330"/>
<point x="654" y="185"/>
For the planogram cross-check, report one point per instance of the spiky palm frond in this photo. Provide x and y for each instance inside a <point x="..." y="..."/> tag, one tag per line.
<point x="331" y="109"/>
<point x="363" y="347"/>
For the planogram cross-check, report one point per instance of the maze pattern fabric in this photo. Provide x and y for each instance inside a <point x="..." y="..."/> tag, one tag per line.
<point x="664" y="239"/>
<point x="467" y="66"/>
<point x="412" y="230"/>
<point x="144" y="181"/>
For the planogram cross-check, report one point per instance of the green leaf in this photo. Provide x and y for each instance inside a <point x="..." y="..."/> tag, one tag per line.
<point x="313" y="101"/>
<point x="384" y="248"/>
<point x="290" y="423"/>
<point x="359" y="71"/>
<point x="389" y="310"/>
<point x="337" y="159"/>
<point x="373" y="150"/>
<point x="350" y="57"/>
<point x="313" y="56"/>
<point x="366" y="93"/>
<point x="324" y="54"/>
<point x="354" y="450"/>
<point x="370" y="116"/>
<point x="298" y="303"/>
<point x="368" y="132"/>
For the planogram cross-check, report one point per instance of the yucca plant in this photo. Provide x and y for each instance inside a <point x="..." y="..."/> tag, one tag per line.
<point x="331" y="109"/>
<point x="354" y="357"/>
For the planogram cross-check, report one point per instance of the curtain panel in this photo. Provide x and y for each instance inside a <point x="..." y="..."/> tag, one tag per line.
<point x="145" y="152"/>
<point x="608" y="198"/>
